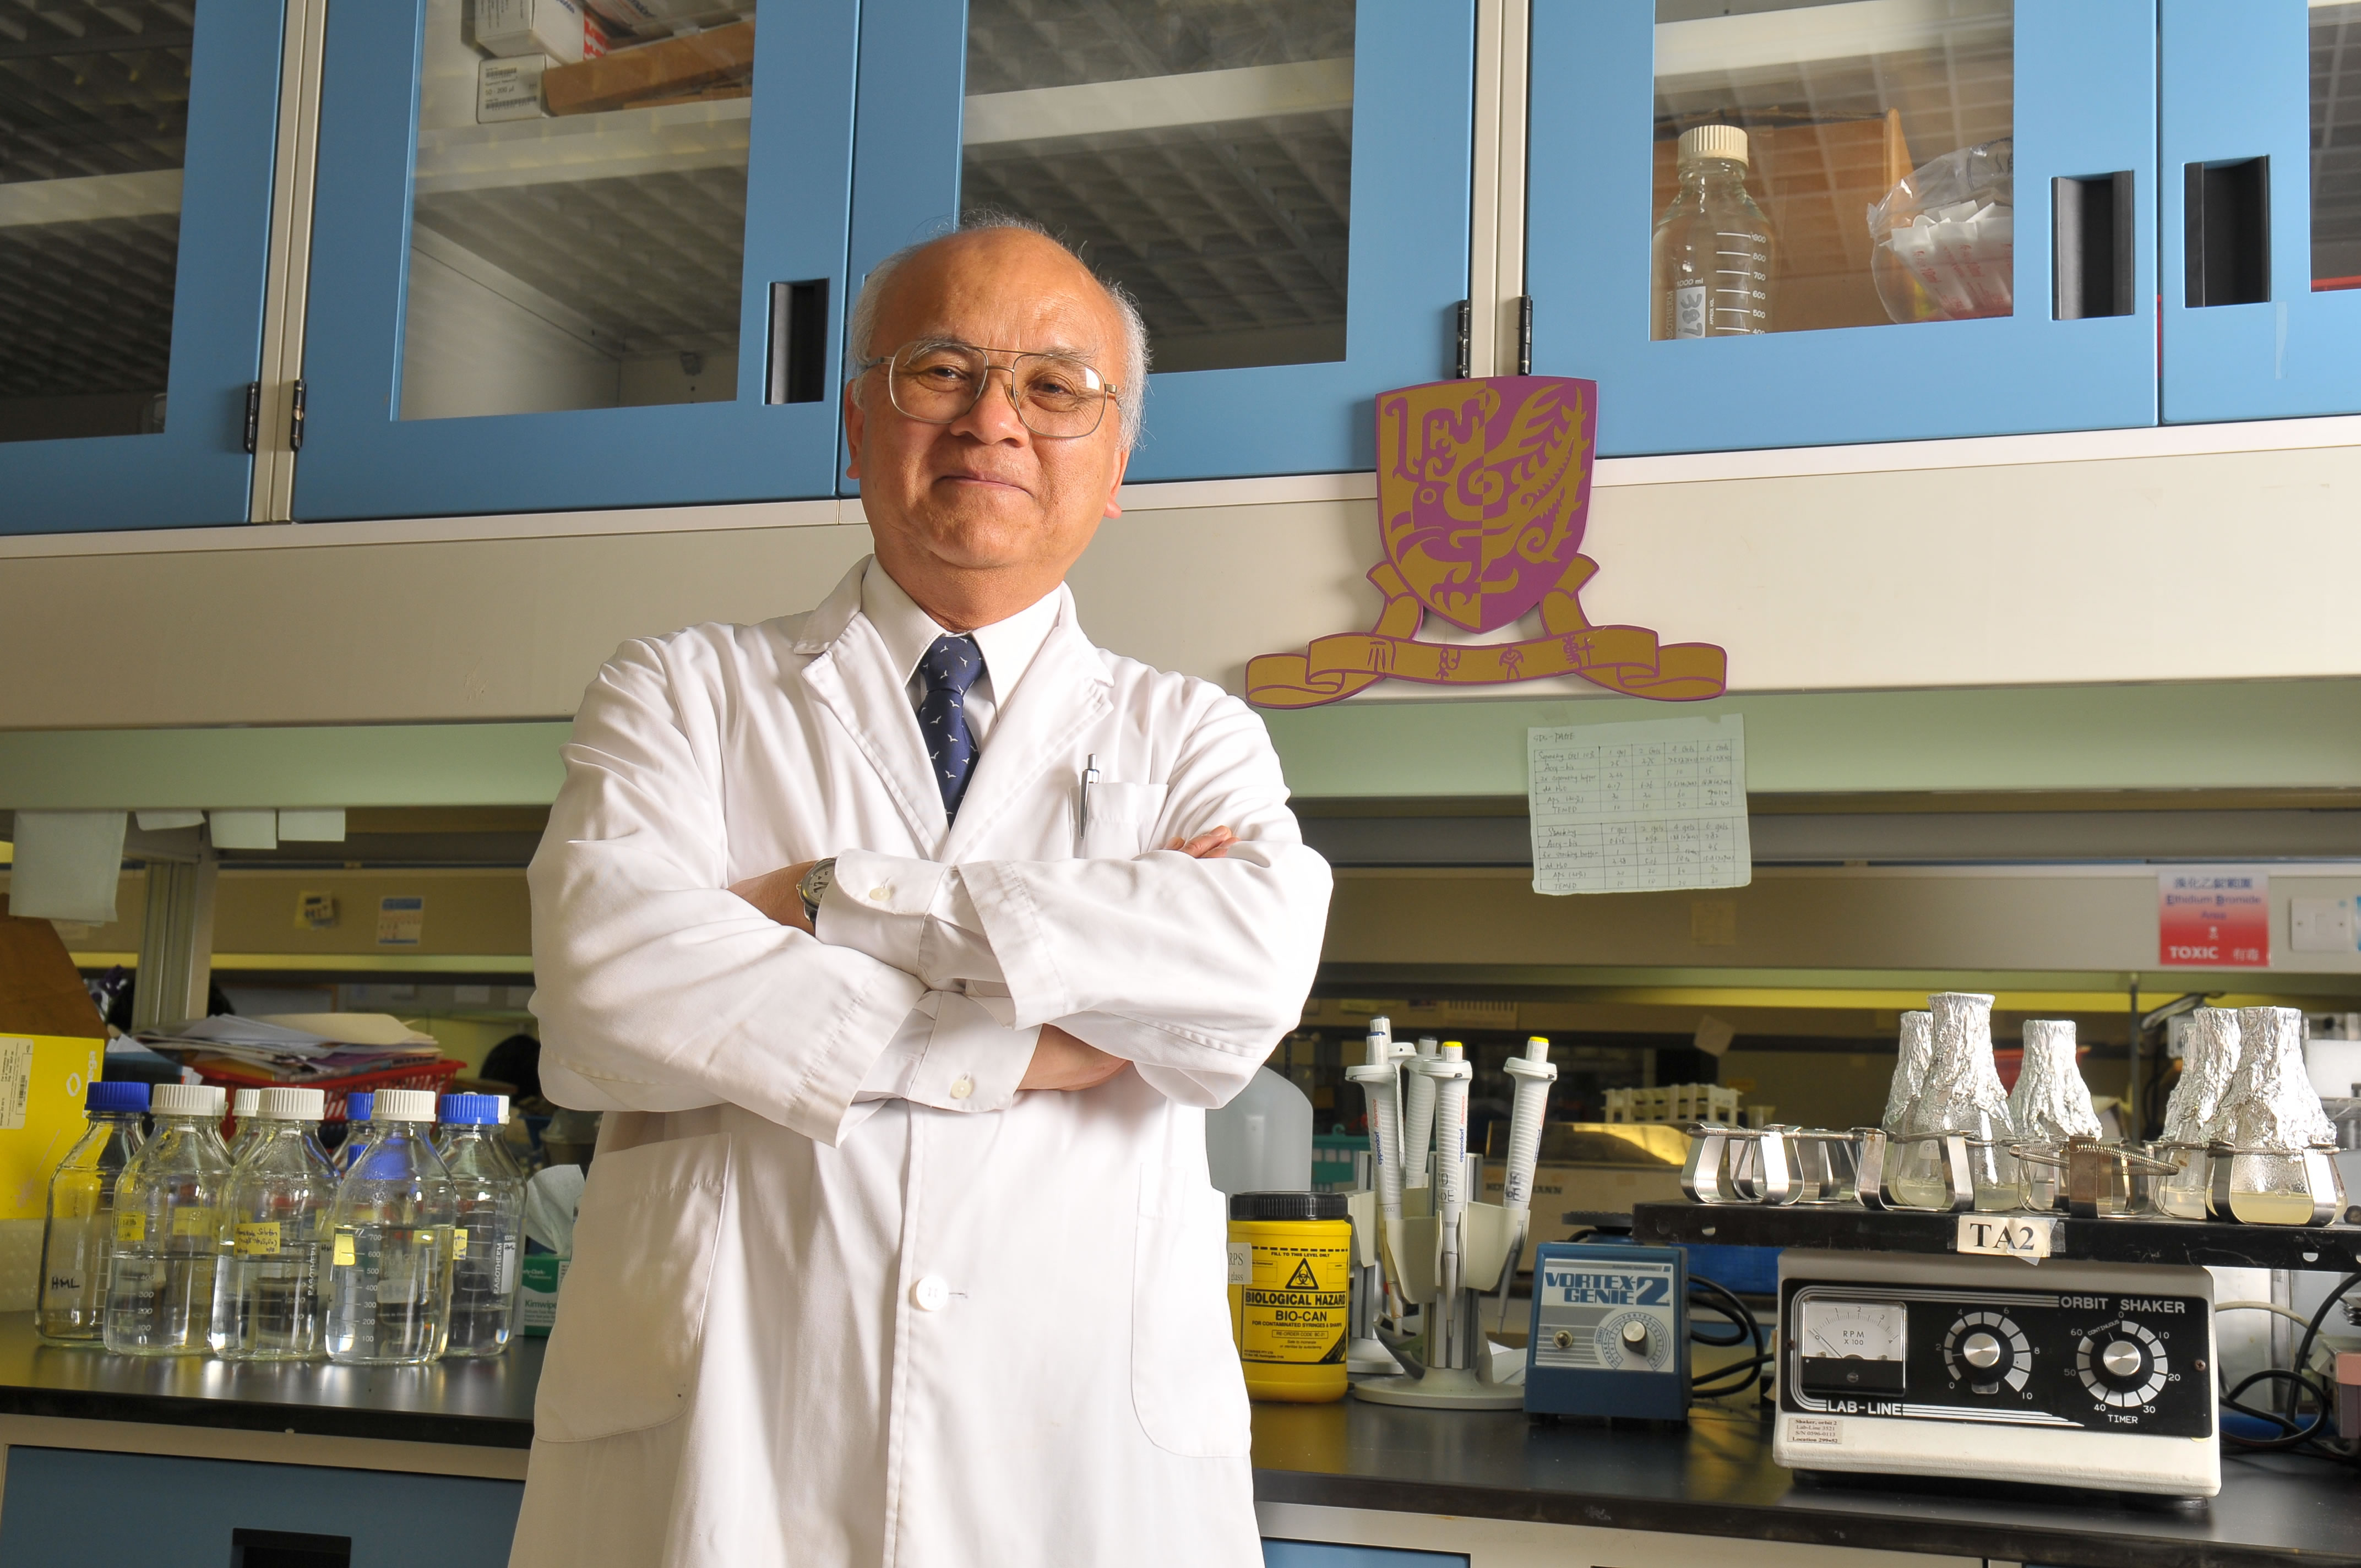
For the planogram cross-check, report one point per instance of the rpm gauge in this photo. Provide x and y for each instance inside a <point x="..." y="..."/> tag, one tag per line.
<point x="1835" y="1328"/>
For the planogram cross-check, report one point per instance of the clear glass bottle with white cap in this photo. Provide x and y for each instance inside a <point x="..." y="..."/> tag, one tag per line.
<point x="1711" y="254"/>
<point x="266" y="1290"/>
<point x="160" y="1267"/>
<point x="487" y="1240"/>
<point x="245" y="1104"/>
<point x="80" y="1226"/>
<point x="390" y="1241"/>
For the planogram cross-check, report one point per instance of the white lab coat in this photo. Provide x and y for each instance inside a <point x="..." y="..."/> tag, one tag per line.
<point x="922" y="1333"/>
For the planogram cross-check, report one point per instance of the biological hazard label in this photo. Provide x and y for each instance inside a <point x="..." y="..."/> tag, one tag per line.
<point x="1294" y="1302"/>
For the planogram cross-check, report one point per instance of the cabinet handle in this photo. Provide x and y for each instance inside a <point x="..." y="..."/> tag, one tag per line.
<point x="253" y="417"/>
<point x="1461" y="364"/>
<point x="295" y="416"/>
<point x="2228" y="242"/>
<point x="2092" y="250"/>
<point x="1524" y="334"/>
<point x="798" y="367"/>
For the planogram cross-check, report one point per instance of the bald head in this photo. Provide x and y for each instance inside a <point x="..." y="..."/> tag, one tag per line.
<point x="981" y="244"/>
<point x="978" y="517"/>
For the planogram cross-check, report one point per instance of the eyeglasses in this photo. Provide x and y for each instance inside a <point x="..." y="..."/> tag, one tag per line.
<point x="937" y="380"/>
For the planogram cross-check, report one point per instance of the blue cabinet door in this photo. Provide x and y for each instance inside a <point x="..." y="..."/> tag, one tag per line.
<point x="75" y="1505"/>
<point x="1283" y="185"/>
<point x="135" y="215"/>
<point x="630" y="302"/>
<point x="1864" y="345"/>
<point x="2262" y="209"/>
<point x="1327" y="1554"/>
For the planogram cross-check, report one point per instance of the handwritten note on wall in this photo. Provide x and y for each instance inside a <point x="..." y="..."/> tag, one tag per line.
<point x="1629" y="807"/>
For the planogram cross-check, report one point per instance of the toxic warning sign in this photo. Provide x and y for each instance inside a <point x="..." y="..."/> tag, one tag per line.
<point x="1301" y="1278"/>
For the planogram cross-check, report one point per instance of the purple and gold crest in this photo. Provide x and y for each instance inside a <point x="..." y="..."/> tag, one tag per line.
<point x="1483" y="489"/>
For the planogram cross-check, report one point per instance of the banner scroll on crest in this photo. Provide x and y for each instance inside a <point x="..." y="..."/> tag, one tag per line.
<point x="1483" y="492"/>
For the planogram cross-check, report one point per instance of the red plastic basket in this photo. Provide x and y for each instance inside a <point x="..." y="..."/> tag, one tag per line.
<point x="433" y="1075"/>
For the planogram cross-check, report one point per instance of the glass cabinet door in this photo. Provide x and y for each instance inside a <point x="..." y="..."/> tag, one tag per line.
<point x="2261" y="119"/>
<point x="1283" y="185"/>
<point x="1774" y="222"/>
<point x="136" y="147"/>
<point x="576" y="254"/>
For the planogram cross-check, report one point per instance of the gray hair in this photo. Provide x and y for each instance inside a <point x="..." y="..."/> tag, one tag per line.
<point x="858" y="346"/>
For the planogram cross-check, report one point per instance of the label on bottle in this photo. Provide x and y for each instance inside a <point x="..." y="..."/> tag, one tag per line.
<point x="16" y="1081"/>
<point x="504" y="1268"/>
<point x="256" y="1238"/>
<point x="197" y="1223"/>
<point x="130" y="1227"/>
<point x="1688" y="310"/>
<point x="458" y="1243"/>
<point x="344" y="1253"/>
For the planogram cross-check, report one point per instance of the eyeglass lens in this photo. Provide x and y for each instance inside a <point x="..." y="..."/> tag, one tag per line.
<point x="1054" y="396"/>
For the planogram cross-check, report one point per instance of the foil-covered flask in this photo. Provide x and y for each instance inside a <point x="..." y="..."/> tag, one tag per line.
<point x="1962" y="1095"/>
<point x="1909" y="1068"/>
<point x="2272" y="1118"/>
<point x="2049" y="1104"/>
<point x="2209" y="1061"/>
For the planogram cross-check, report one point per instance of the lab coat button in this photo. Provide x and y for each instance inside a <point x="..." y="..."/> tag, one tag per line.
<point x="931" y="1293"/>
<point x="880" y="894"/>
<point x="962" y="1086"/>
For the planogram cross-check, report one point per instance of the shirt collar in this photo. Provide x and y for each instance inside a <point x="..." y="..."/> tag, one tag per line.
<point x="1009" y="646"/>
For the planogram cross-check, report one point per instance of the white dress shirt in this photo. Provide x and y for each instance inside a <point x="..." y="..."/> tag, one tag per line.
<point x="961" y="1063"/>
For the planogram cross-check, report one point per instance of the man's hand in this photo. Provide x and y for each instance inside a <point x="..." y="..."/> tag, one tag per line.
<point x="1210" y="845"/>
<point x="774" y="892"/>
<point x="1061" y="1061"/>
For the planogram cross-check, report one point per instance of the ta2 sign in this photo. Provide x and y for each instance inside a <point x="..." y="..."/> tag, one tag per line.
<point x="2027" y="1236"/>
<point x="2217" y="917"/>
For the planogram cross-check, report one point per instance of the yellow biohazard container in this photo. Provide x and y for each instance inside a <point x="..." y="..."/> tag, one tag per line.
<point x="1291" y="1293"/>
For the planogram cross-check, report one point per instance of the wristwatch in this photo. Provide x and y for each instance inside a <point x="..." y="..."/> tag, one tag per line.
<point x="814" y="886"/>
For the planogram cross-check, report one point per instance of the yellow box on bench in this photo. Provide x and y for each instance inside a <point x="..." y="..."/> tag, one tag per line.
<point x="42" y="1078"/>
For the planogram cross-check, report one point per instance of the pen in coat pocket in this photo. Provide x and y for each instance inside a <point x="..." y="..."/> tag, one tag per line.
<point x="1083" y="818"/>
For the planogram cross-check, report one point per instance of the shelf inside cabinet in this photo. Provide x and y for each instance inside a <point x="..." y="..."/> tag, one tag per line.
<point x="1846" y="1228"/>
<point x="677" y="138"/>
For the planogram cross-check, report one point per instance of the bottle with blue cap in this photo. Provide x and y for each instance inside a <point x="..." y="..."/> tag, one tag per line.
<point x="265" y="1292"/>
<point x="488" y="1237"/>
<point x="160" y="1265"/>
<point x="80" y="1220"/>
<point x="358" y="1105"/>
<point x="390" y="1241"/>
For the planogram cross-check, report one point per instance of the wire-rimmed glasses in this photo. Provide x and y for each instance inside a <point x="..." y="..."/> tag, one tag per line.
<point x="937" y="380"/>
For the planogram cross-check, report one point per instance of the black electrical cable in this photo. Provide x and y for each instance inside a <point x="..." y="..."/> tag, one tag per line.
<point x="2311" y="1333"/>
<point x="2293" y="1436"/>
<point x="1724" y="1302"/>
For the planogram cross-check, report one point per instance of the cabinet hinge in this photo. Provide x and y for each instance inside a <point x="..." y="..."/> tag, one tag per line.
<point x="253" y="416"/>
<point x="1459" y="366"/>
<point x="1524" y="334"/>
<point x="295" y="417"/>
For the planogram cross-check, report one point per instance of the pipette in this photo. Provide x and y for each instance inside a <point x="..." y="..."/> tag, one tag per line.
<point x="1378" y="1078"/>
<point x="1534" y="1073"/>
<point x="1418" y="1115"/>
<point x="1448" y="1074"/>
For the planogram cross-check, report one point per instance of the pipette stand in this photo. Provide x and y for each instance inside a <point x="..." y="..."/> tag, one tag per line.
<point x="1458" y="1358"/>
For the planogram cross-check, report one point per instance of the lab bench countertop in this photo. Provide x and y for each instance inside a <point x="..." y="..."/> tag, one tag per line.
<point x="1712" y="1478"/>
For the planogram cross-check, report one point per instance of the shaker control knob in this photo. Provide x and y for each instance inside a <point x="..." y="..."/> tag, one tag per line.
<point x="1635" y="1336"/>
<point x="2122" y="1360"/>
<point x="1981" y="1350"/>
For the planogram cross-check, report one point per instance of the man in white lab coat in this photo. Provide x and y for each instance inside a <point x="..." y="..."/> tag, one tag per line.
<point x="904" y="943"/>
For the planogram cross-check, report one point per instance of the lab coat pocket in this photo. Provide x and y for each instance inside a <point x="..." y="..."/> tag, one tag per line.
<point x="1122" y="818"/>
<point x="630" y="1319"/>
<point x="1185" y="1381"/>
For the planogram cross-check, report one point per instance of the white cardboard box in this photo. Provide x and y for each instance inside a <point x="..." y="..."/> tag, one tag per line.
<point x="509" y="29"/>
<point x="509" y="88"/>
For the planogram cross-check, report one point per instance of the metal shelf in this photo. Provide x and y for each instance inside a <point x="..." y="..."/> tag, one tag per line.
<point x="2330" y="1248"/>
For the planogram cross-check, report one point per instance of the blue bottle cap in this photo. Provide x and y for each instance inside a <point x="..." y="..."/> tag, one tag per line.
<point x="474" y="1109"/>
<point x="120" y="1095"/>
<point x="360" y="1103"/>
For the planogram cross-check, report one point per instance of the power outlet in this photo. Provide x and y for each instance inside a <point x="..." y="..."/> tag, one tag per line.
<point x="2324" y="925"/>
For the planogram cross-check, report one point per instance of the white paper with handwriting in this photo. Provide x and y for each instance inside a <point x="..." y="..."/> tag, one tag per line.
<point x="1633" y="808"/>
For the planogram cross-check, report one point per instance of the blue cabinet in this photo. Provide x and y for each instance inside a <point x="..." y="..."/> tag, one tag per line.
<point x="540" y="283"/>
<point x="1327" y="1554"/>
<point x="1283" y="186"/>
<point x="2010" y="288"/>
<point x="135" y="215"/>
<point x="2262" y="209"/>
<point x="76" y="1506"/>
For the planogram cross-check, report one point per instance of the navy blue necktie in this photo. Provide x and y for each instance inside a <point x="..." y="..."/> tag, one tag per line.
<point x="950" y="666"/>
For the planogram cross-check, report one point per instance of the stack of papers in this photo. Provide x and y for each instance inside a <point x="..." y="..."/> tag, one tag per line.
<point x="299" y="1047"/>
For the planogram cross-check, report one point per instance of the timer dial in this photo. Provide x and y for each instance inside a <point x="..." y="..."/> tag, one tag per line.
<point x="2123" y="1364"/>
<point x="1988" y="1352"/>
